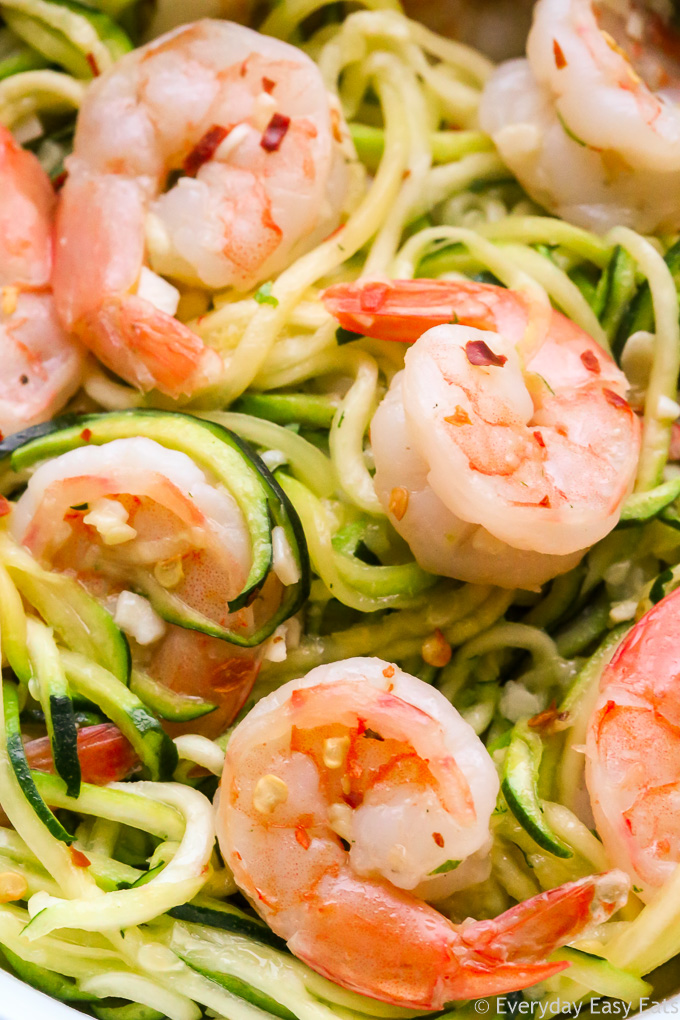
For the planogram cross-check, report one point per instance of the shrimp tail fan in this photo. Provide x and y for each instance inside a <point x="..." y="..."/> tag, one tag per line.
<point x="148" y="347"/>
<point x="509" y="952"/>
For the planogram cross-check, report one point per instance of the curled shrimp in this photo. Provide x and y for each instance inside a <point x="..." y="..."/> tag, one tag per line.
<point x="633" y="750"/>
<point x="494" y="471"/>
<point x="130" y="513"/>
<point x="215" y="155"/>
<point x="590" y="122"/>
<point x="41" y="365"/>
<point x="346" y="797"/>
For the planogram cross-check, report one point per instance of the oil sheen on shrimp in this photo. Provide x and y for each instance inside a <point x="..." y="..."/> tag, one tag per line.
<point x="633" y="750"/>
<point x="117" y="514"/>
<point x="41" y="365"/>
<point x="347" y="798"/>
<point x="590" y="121"/>
<point x="493" y="471"/>
<point x="215" y="154"/>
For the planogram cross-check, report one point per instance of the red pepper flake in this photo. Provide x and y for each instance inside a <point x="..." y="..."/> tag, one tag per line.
<point x="539" y="439"/>
<point x="5" y="507"/>
<point x="590" y="361"/>
<point x="79" y="859"/>
<point x="615" y="400"/>
<point x="60" y="180"/>
<point x="274" y="133"/>
<point x="94" y="66"/>
<point x="268" y="85"/>
<point x="479" y="353"/>
<point x="388" y="672"/>
<point x="545" y="501"/>
<point x="334" y="233"/>
<point x="459" y="417"/>
<point x="204" y="151"/>
<point x="361" y="726"/>
<point x="560" y="59"/>
<point x="86" y="435"/>
<point x="354" y="798"/>
<point x="302" y="836"/>
<point x="438" y="838"/>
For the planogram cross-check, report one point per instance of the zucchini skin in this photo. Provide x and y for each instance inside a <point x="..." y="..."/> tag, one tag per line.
<point x="48" y="981"/>
<point x="519" y="784"/>
<point x="166" y="703"/>
<point x="65" y="742"/>
<point x="260" y="497"/>
<point x="641" y="507"/>
<point x="17" y="757"/>
<point x="236" y="923"/>
<point x="640" y="313"/>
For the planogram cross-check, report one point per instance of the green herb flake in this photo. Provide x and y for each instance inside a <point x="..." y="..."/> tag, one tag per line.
<point x="570" y="134"/>
<point x="264" y="295"/>
<point x="444" y="868"/>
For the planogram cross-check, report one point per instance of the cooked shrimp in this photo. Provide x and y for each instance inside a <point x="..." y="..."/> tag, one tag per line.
<point x="633" y="750"/>
<point x="218" y="152"/>
<point x="343" y="795"/>
<point x="493" y="471"/>
<point x="105" y="755"/>
<point x="41" y="366"/>
<point x="590" y="122"/>
<point x="130" y="514"/>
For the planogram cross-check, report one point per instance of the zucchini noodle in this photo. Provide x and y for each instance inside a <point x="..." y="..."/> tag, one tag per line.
<point x="127" y="899"/>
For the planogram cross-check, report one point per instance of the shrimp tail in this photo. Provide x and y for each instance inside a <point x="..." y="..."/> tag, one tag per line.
<point x="148" y="348"/>
<point x="509" y="952"/>
<point x="403" y="310"/>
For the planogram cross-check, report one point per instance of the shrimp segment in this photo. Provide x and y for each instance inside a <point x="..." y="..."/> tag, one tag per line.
<point x="245" y="175"/>
<point x="105" y="755"/>
<point x="633" y="750"/>
<point x="41" y="364"/>
<point x="130" y="513"/>
<point x="590" y="122"/>
<point x="506" y="471"/>
<point x="342" y="794"/>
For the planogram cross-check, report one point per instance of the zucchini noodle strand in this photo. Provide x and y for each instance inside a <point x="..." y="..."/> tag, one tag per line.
<point x="656" y="431"/>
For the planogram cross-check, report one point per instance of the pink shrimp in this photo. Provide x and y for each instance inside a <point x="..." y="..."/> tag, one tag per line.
<point x="351" y="797"/>
<point x="633" y="750"/>
<point x="214" y="155"/>
<point x="589" y="122"/>
<point x="105" y="755"/>
<point x="494" y="471"/>
<point x="41" y="365"/>
<point x="133" y="514"/>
